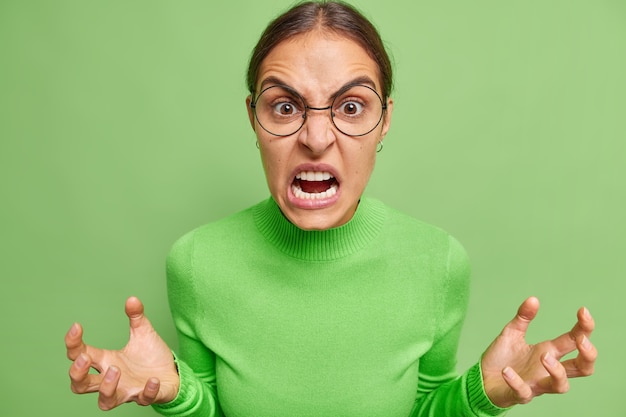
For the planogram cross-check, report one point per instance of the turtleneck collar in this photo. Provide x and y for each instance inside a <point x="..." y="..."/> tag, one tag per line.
<point x="324" y="245"/>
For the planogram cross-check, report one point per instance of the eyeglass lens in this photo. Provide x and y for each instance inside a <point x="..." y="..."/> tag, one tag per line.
<point x="355" y="111"/>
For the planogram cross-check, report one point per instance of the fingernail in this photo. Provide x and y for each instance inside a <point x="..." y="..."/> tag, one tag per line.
<point x="74" y="329"/>
<point x="586" y="313"/>
<point x="81" y="361"/>
<point x="111" y="373"/>
<point x="586" y="343"/>
<point x="153" y="384"/>
<point x="550" y="360"/>
<point x="508" y="372"/>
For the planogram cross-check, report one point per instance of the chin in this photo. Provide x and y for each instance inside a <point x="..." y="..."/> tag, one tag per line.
<point x="317" y="219"/>
<point x="315" y="223"/>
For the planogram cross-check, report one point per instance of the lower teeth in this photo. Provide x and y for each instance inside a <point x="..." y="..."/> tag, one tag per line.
<point x="297" y="191"/>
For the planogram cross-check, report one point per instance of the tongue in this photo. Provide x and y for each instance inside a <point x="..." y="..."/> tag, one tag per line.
<point x="316" y="186"/>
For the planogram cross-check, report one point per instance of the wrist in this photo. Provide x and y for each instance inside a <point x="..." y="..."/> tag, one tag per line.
<point x="478" y="394"/>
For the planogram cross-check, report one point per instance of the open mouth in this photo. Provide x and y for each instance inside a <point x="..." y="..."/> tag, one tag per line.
<point x="314" y="185"/>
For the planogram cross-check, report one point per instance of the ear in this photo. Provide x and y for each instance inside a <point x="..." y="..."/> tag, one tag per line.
<point x="387" y="119"/>
<point x="250" y="112"/>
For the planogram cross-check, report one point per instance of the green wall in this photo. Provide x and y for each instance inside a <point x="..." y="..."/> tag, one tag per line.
<point x="122" y="126"/>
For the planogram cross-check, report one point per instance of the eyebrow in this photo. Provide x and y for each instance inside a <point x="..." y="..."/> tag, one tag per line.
<point x="361" y="80"/>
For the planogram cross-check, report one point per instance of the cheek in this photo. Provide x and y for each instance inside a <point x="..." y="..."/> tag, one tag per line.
<point x="273" y="164"/>
<point x="363" y="163"/>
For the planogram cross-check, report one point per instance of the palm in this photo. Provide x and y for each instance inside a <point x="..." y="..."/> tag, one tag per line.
<point x="525" y="359"/>
<point x="515" y="371"/>
<point x="143" y="371"/>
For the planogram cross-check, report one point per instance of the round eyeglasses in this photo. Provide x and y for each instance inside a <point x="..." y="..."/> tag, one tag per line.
<point x="356" y="110"/>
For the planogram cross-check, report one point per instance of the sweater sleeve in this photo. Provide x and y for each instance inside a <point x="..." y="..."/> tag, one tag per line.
<point x="197" y="395"/>
<point x="440" y="391"/>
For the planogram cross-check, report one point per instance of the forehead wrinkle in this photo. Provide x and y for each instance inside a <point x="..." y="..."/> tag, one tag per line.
<point x="359" y="80"/>
<point x="302" y="63"/>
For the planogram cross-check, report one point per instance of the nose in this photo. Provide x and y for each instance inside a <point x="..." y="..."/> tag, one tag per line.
<point x="318" y="133"/>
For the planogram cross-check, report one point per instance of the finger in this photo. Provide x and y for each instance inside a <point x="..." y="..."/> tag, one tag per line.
<point x="81" y="381"/>
<point x="108" y="389"/>
<point x="587" y="355"/>
<point x="150" y="392"/>
<point x="584" y="363"/>
<point x="558" y="382"/>
<point x="585" y="324"/>
<point x="134" y="311"/>
<point x="522" y="393"/>
<point x="76" y="346"/>
<point x="525" y="314"/>
<point x="74" y="341"/>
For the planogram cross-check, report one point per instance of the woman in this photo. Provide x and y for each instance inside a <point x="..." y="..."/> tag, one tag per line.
<point x="317" y="301"/>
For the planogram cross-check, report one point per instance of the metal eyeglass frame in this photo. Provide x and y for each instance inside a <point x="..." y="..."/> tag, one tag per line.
<point x="307" y="107"/>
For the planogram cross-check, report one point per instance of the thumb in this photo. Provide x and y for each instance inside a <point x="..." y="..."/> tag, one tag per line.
<point x="134" y="311"/>
<point x="525" y="314"/>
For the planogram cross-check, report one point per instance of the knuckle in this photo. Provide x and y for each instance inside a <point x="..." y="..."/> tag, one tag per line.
<point x="143" y="401"/>
<point x="75" y="376"/>
<point x="104" y="406"/>
<point x="72" y="352"/>
<point x="563" y="388"/>
<point x="146" y="398"/>
<point x="587" y="371"/>
<point x="105" y="403"/>
<point x="71" y="344"/>
<point x="76" y="389"/>
<point x="525" y="396"/>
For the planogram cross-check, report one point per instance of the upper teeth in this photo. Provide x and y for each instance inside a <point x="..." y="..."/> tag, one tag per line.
<point x="314" y="176"/>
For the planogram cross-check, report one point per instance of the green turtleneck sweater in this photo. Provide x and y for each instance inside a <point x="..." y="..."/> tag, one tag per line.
<point x="358" y="321"/>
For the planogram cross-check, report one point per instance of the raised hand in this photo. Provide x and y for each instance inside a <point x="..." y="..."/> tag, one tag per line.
<point x="143" y="371"/>
<point x="515" y="372"/>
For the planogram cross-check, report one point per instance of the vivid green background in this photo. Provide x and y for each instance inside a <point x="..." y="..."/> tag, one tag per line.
<point x="122" y="126"/>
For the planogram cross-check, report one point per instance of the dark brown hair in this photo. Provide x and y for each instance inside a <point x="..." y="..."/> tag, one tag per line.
<point x="333" y="16"/>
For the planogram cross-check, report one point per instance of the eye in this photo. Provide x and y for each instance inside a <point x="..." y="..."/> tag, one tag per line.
<point x="351" y="108"/>
<point x="285" y="108"/>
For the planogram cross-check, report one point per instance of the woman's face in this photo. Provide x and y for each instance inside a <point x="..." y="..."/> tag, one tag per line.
<point x="317" y="174"/>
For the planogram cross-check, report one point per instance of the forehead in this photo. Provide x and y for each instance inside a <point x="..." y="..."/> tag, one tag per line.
<point x="317" y="64"/>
